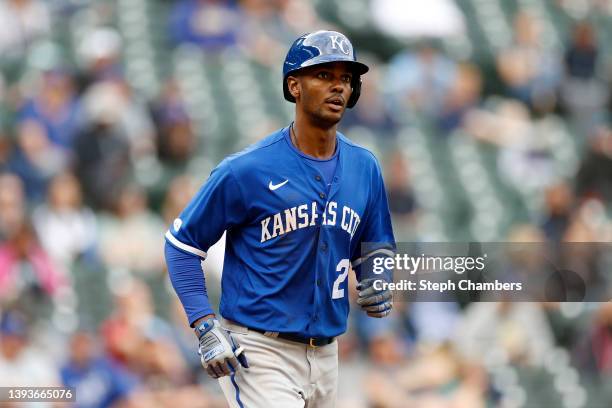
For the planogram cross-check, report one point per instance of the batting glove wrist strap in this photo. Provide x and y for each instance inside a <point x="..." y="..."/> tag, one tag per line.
<point x="220" y="353"/>
<point x="376" y="302"/>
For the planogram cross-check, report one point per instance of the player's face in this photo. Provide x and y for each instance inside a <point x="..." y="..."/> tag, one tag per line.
<point x="324" y="92"/>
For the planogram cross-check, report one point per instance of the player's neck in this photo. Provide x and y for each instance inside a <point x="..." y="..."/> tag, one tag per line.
<point x="313" y="140"/>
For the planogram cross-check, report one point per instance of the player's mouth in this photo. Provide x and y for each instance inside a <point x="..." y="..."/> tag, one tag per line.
<point x="335" y="103"/>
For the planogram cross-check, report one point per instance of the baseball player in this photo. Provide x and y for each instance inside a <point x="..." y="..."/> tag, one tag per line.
<point x="299" y="207"/>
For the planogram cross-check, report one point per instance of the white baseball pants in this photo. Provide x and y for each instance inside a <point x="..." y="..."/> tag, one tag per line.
<point x="281" y="373"/>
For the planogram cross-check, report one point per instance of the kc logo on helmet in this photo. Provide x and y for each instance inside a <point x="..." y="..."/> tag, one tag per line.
<point x="341" y="43"/>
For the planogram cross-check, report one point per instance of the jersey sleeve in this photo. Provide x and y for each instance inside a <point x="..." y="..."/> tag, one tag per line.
<point x="217" y="206"/>
<point x="376" y="236"/>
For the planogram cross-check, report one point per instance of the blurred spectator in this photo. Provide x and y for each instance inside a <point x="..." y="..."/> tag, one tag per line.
<point x="180" y="191"/>
<point x="132" y="237"/>
<point x="124" y="109"/>
<point x="67" y="229"/>
<point x="12" y="205"/>
<point x="98" y="382"/>
<point x="27" y="272"/>
<point x="589" y="223"/>
<point x="463" y="96"/>
<point x="176" y="139"/>
<point x="385" y="349"/>
<point x="5" y="149"/>
<point x="132" y="318"/>
<point x="434" y="323"/>
<point x="558" y="209"/>
<point x="141" y="341"/>
<point x="26" y="269"/>
<point x="501" y="121"/>
<point x="600" y="340"/>
<point x="141" y="232"/>
<point x="517" y="331"/>
<point x="35" y="159"/>
<point x="177" y="144"/>
<point x="526" y="234"/>
<point x="379" y="338"/>
<point x="371" y="112"/>
<point x="594" y="177"/>
<point x="267" y="26"/>
<point x="102" y="157"/>
<point x="584" y="94"/>
<point x="210" y="24"/>
<point x="55" y="107"/>
<point x="22" y="22"/>
<point x="582" y="52"/>
<point x="435" y="377"/>
<point x="530" y="71"/>
<point x="21" y="363"/>
<point x="419" y="81"/>
<point x="525" y="158"/>
<point x="300" y="15"/>
<point x="160" y="364"/>
<point x="401" y="198"/>
<point x="99" y="53"/>
<point x="184" y="338"/>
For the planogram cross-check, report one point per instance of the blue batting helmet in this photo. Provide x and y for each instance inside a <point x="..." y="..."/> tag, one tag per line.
<point x="322" y="47"/>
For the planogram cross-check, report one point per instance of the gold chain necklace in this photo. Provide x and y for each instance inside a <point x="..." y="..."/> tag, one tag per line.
<point x="294" y="138"/>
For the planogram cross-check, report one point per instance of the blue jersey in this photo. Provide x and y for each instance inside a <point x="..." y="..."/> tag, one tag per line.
<point x="291" y="241"/>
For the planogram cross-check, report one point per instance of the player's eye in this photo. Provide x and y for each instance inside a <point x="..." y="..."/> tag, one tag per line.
<point x="323" y="75"/>
<point x="347" y="78"/>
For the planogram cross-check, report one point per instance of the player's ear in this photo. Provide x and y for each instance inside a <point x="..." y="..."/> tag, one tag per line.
<point x="294" y="86"/>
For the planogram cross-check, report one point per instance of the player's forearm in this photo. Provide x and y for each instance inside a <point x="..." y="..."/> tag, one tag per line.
<point x="185" y="272"/>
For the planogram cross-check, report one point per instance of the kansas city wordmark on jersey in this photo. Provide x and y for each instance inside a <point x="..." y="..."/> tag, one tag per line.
<point x="306" y="215"/>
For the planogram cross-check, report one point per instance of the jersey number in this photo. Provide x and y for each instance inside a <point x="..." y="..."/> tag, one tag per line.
<point x="343" y="267"/>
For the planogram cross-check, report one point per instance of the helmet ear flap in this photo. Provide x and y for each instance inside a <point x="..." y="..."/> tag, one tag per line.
<point x="356" y="85"/>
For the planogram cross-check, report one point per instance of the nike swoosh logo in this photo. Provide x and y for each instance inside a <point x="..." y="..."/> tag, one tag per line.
<point x="276" y="186"/>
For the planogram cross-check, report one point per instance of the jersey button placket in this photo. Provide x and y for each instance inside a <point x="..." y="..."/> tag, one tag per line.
<point x="324" y="247"/>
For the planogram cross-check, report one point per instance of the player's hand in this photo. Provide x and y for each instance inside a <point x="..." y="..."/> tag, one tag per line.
<point x="220" y="353"/>
<point x="377" y="303"/>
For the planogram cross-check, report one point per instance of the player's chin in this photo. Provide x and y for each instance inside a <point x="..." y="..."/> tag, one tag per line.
<point x="332" y="113"/>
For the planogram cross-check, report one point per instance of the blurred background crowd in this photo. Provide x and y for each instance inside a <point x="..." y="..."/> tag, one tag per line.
<point x="492" y="119"/>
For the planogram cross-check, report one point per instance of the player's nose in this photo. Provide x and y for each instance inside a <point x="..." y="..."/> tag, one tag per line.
<point x="338" y="87"/>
